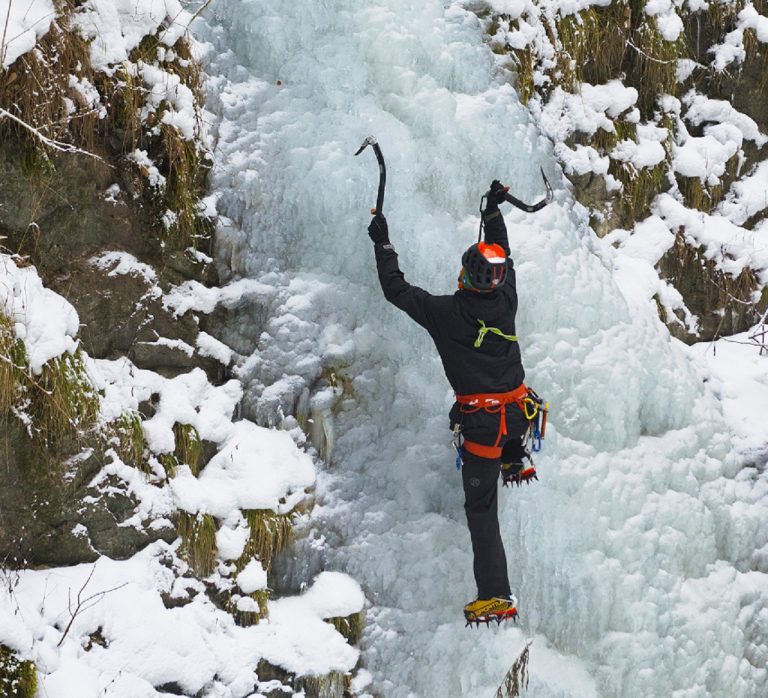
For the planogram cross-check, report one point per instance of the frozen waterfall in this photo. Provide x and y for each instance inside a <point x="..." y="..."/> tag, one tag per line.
<point x="633" y="557"/>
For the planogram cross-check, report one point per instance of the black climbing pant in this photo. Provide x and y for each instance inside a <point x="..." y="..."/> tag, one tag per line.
<point x="481" y="489"/>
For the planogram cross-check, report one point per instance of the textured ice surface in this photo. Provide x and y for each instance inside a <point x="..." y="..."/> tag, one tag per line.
<point x="634" y="558"/>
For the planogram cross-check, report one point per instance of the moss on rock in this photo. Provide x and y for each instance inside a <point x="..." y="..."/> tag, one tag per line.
<point x="18" y="677"/>
<point x="351" y="627"/>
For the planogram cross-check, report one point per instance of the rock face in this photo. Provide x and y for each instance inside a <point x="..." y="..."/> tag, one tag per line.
<point x="60" y="218"/>
<point x="672" y="88"/>
<point x="63" y="520"/>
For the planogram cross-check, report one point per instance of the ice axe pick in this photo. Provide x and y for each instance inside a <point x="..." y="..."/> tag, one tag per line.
<point x="382" y="172"/>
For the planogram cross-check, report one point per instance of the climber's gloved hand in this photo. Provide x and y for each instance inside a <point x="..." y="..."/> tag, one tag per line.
<point x="496" y="195"/>
<point x="378" y="230"/>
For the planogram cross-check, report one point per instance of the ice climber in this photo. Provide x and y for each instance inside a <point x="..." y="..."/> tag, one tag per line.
<point x="474" y="332"/>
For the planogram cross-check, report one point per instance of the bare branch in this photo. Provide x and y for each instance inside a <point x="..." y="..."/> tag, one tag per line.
<point x="56" y="145"/>
<point x="3" y="45"/>
<point x="84" y="604"/>
<point x="200" y="11"/>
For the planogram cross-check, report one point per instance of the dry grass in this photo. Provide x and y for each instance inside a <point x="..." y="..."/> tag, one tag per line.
<point x="653" y="63"/>
<point x="515" y="682"/>
<point x="246" y="618"/>
<point x="127" y="95"/>
<point x="722" y="17"/>
<point x="595" y="40"/>
<point x="270" y="533"/>
<point x="182" y="163"/>
<point x="524" y="66"/>
<point x="170" y="463"/>
<point x="131" y="442"/>
<point x="189" y="446"/>
<point x="640" y="186"/>
<point x="64" y="403"/>
<point x="731" y="297"/>
<point x="699" y="195"/>
<point x="13" y="365"/>
<point x="198" y="541"/>
<point x="36" y="88"/>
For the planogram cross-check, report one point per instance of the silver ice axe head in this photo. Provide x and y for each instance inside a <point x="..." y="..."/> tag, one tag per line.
<point x="371" y="140"/>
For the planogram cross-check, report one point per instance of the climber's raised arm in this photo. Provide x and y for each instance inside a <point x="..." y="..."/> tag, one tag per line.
<point x="413" y="300"/>
<point x="495" y="228"/>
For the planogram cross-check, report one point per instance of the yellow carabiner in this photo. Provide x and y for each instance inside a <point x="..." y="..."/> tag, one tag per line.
<point x="528" y="401"/>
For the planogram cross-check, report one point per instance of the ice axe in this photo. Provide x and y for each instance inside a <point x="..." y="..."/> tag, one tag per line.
<point x="382" y="172"/>
<point x="530" y="208"/>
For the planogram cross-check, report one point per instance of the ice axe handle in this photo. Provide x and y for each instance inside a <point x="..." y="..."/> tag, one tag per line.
<point x="382" y="172"/>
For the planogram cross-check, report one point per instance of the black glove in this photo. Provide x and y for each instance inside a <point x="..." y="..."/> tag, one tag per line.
<point x="496" y="195"/>
<point x="378" y="230"/>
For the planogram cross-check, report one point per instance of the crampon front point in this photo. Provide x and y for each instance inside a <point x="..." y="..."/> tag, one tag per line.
<point x="488" y="610"/>
<point x="513" y="476"/>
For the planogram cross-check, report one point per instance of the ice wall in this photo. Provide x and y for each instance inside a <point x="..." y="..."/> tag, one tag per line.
<point x="633" y="557"/>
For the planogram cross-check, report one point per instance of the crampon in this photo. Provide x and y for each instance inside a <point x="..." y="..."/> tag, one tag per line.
<point x="517" y="474"/>
<point x="488" y="610"/>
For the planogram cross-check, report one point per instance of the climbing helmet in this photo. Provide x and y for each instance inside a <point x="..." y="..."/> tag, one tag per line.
<point x="484" y="267"/>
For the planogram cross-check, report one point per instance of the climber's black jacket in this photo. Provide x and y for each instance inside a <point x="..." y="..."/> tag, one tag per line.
<point x="452" y="322"/>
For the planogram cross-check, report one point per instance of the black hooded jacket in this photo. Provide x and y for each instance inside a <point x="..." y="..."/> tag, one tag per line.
<point x="453" y="323"/>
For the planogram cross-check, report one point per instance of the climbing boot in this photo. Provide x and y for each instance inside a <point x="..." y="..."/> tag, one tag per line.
<point x="487" y="610"/>
<point x="518" y="473"/>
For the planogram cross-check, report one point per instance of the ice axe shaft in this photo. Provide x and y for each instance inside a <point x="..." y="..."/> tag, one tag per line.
<point x="382" y="172"/>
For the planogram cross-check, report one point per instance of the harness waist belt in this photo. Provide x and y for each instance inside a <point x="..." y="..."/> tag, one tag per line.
<point x="492" y="403"/>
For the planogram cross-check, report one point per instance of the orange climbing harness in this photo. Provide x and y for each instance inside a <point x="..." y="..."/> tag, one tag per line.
<point x="496" y="403"/>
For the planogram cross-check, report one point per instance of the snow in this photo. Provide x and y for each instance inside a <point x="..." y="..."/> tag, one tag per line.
<point x="647" y="151"/>
<point x="732" y="247"/>
<point x="701" y="109"/>
<point x="22" y="23"/>
<point x="192" y="295"/>
<point x="148" y="168"/>
<point x="595" y="107"/>
<point x="116" y="27"/>
<point x="334" y="594"/>
<point x="738" y="373"/>
<point x="705" y="157"/>
<point x="45" y="321"/>
<point x="208" y="345"/>
<point x="196" y="646"/>
<point x="256" y="468"/>
<point x="252" y="578"/>
<point x="120" y="263"/>
<point x="635" y="267"/>
<point x="746" y="197"/>
<point x="732" y="49"/>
